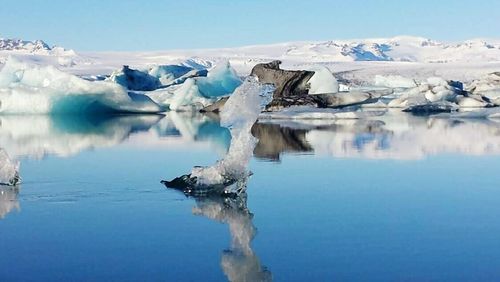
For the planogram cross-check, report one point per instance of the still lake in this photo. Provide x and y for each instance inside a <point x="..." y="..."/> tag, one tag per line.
<point x="390" y="198"/>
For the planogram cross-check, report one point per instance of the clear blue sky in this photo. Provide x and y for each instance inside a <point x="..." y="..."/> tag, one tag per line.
<point x="89" y="25"/>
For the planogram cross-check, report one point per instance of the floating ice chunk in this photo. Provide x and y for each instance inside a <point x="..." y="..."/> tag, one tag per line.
<point x="394" y="81"/>
<point x="433" y="90"/>
<point x="36" y="90"/>
<point x="488" y="86"/>
<point x="471" y="102"/>
<point x="238" y="114"/>
<point x="322" y="81"/>
<point x="9" y="170"/>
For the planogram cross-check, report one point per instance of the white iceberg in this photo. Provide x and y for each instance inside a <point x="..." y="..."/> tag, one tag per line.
<point x="434" y="89"/>
<point x="488" y="86"/>
<point x="175" y="74"/>
<point x="26" y="89"/>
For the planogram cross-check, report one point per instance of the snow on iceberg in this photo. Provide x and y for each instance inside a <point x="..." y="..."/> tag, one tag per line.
<point x="322" y="81"/>
<point x="9" y="170"/>
<point x="26" y="89"/>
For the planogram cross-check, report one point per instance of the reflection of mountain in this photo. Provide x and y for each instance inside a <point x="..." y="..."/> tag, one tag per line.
<point x="394" y="136"/>
<point x="8" y="200"/>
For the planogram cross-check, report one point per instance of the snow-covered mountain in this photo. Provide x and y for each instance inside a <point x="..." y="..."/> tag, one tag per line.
<point x="401" y="48"/>
<point x="37" y="46"/>
<point x="357" y="59"/>
<point x="36" y="51"/>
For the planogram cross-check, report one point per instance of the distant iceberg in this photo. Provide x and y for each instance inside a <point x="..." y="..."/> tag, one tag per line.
<point x="199" y="92"/>
<point x="26" y="89"/>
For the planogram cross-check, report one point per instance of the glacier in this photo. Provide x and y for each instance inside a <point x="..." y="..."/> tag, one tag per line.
<point x="30" y="89"/>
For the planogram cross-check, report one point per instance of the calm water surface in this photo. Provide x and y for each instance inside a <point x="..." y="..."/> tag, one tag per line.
<point x="386" y="199"/>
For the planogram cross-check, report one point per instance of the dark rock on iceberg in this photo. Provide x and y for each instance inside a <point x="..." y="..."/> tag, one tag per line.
<point x="287" y="82"/>
<point x="292" y="88"/>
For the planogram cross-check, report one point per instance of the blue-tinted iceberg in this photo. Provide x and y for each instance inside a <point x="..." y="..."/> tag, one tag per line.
<point x="26" y="89"/>
<point x="196" y="93"/>
<point x="175" y="74"/>
<point x="135" y="80"/>
<point x="155" y="77"/>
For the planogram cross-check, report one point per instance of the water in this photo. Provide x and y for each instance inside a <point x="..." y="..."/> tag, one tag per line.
<point x="386" y="199"/>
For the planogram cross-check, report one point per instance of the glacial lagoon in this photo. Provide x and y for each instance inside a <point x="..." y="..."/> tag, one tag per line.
<point x="393" y="197"/>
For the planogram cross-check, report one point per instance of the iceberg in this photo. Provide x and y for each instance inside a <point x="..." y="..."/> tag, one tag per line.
<point x="229" y="174"/>
<point x="134" y="79"/>
<point x="26" y="89"/>
<point x="488" y="86"/>
<point x="238" y="114"/>
<point x="155" y="77"/>
<point x="9" y="170"/>
<point x="175" y="74"/>
<point x="199" y="92"/>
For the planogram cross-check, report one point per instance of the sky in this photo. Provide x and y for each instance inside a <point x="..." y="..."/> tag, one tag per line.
<point x="127" y="25"/>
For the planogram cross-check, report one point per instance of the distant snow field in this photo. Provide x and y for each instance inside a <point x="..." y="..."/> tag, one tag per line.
<point x="356" y="60"/>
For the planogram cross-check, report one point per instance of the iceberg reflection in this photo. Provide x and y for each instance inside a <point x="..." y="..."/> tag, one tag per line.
<point x="239" y="262"/>
<point x="393" y="136"/>
<point x="8" y="200"/>
<point x="66" y="135"/>
<point x="36" y="136"/>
